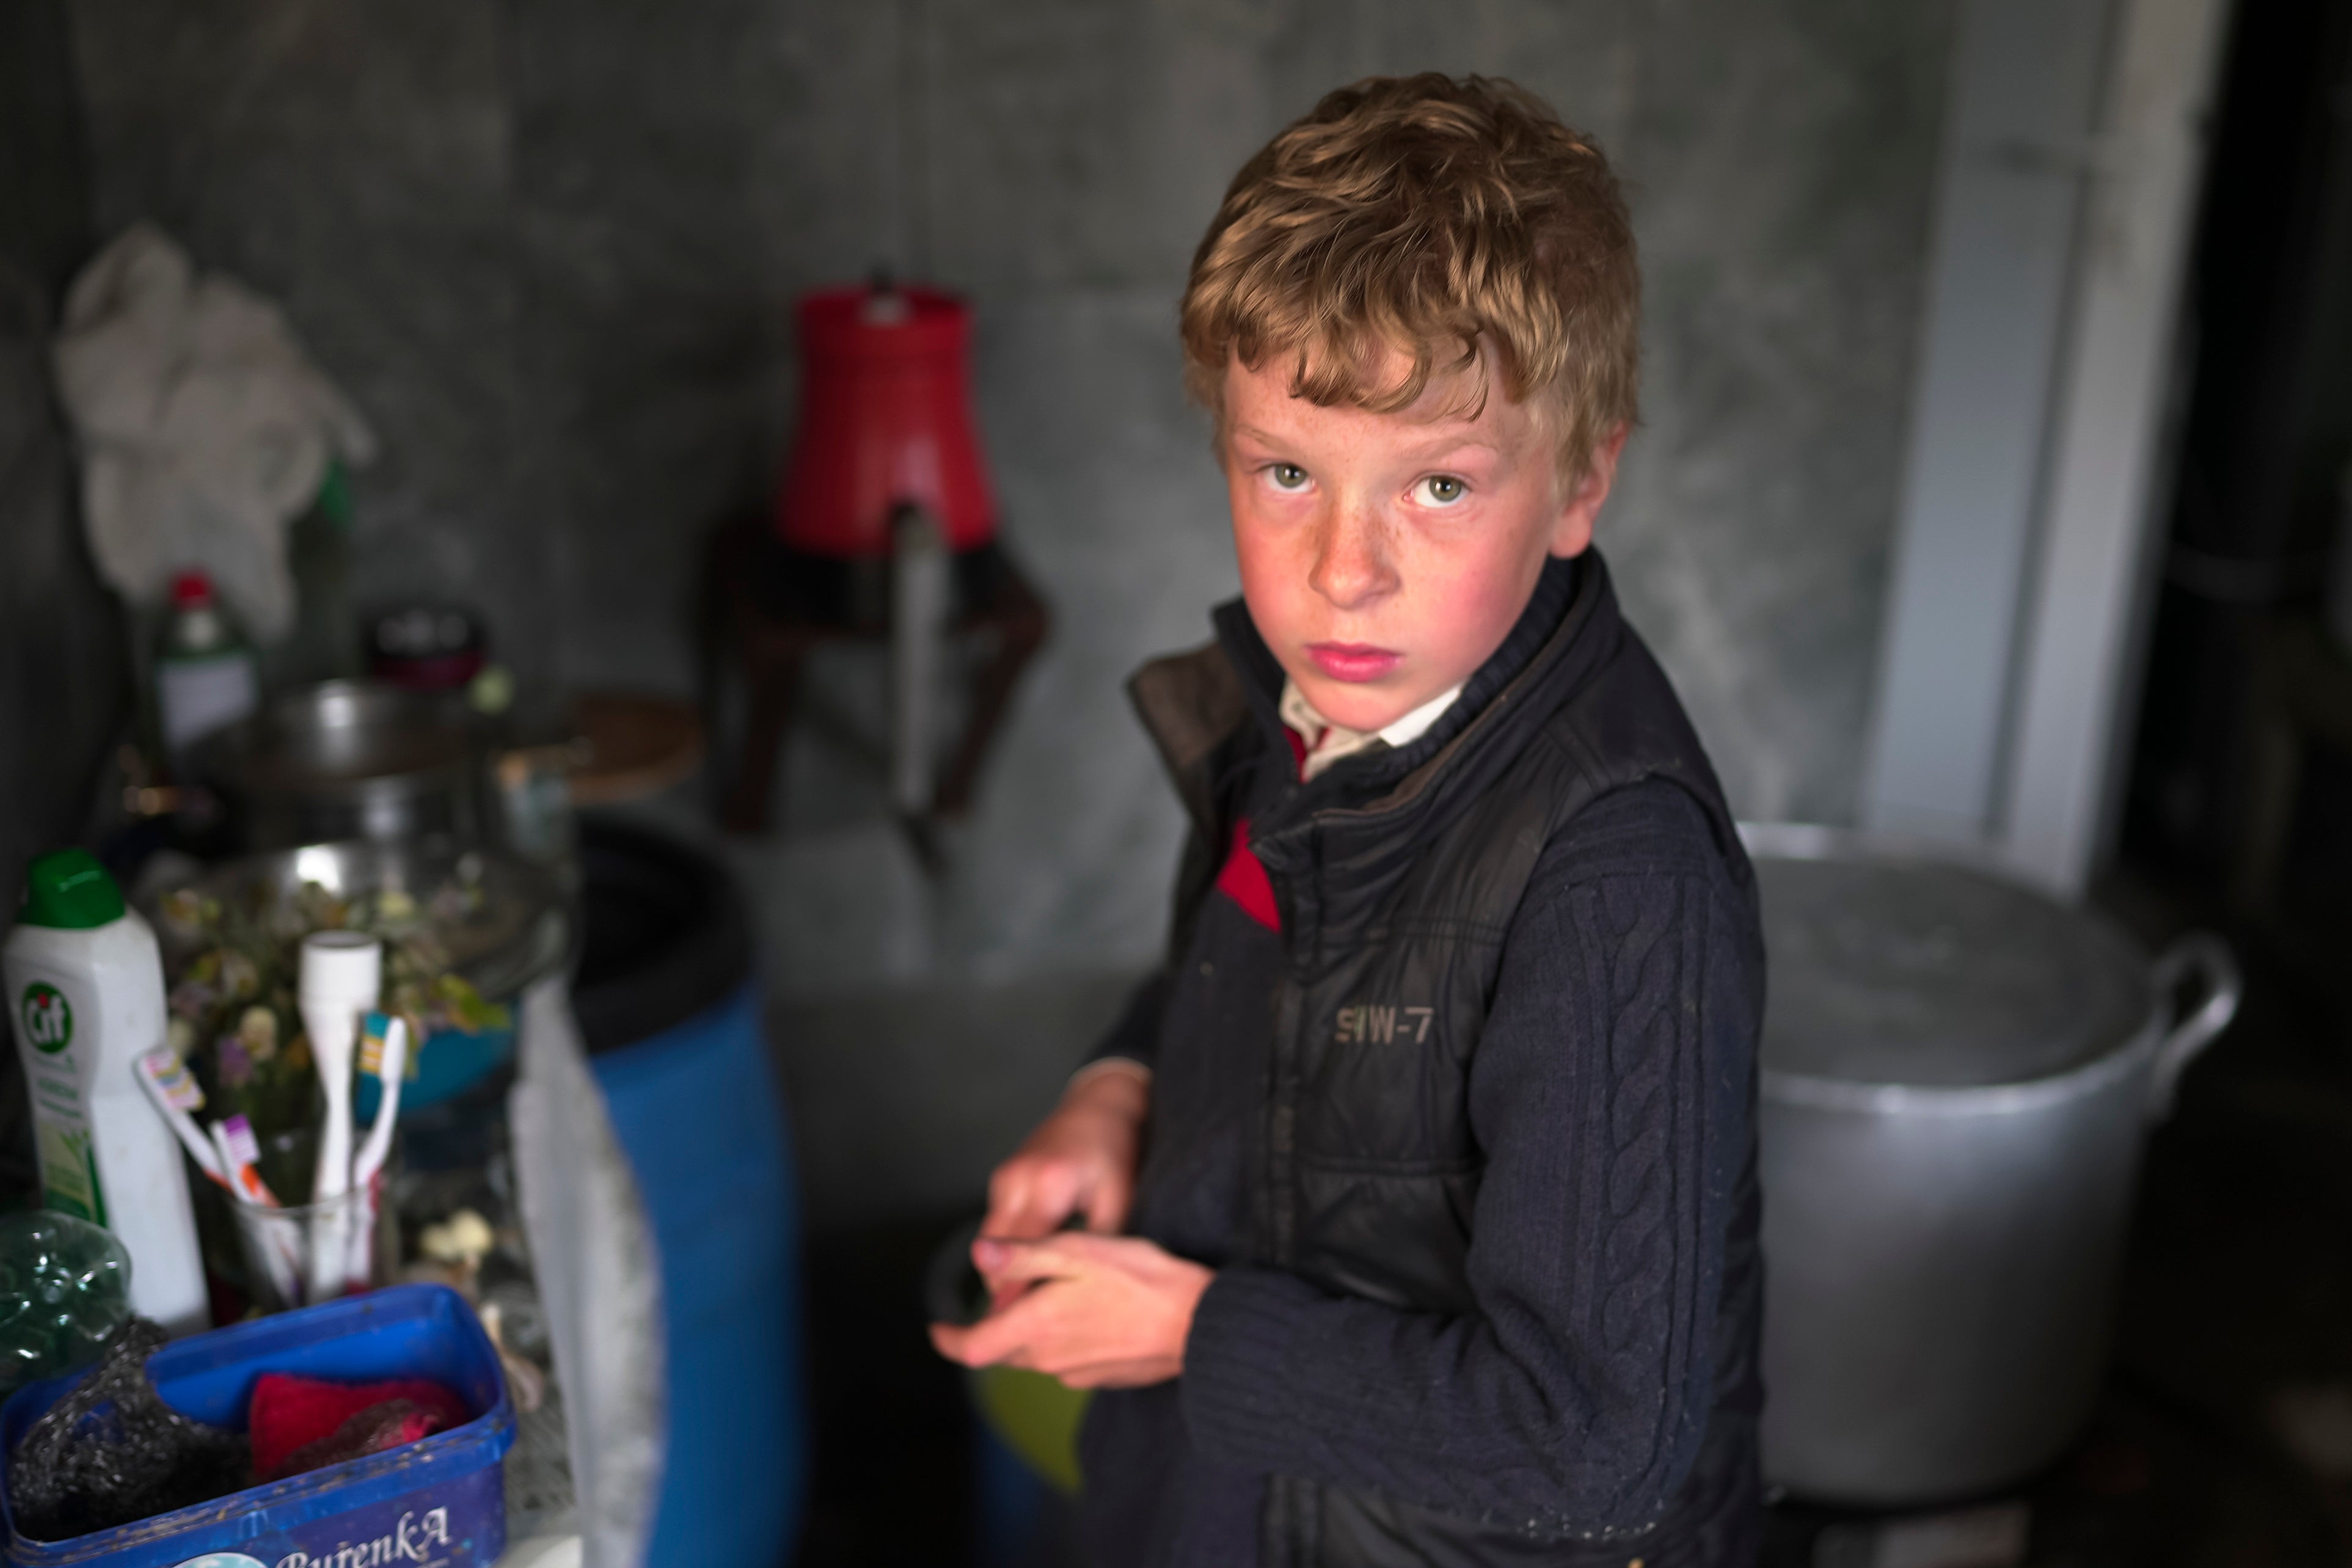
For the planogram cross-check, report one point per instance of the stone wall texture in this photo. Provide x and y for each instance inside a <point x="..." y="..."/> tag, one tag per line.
<point x="63" y="683"/>
<point x="551" y="249"/>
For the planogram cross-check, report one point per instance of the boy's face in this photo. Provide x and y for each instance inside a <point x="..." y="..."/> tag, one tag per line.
<point x="1384" y="556"/>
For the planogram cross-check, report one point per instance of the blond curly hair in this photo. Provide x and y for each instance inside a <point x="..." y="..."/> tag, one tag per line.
<point x="1456" y="222"/>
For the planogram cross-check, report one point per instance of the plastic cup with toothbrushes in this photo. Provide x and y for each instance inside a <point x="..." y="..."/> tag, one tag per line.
<point x="284" y="1247"/>
<point x="278" y="1244"/>
<point x="226" y="1153"/>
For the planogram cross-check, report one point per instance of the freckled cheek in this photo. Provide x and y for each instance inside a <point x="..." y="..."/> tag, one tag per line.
<point x="1272" y="579"/>
<point x="1469" y="610"/>
<point x="1257" y="552"/>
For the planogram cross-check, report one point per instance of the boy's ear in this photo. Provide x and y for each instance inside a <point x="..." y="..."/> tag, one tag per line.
<point x="1572" y="532"/>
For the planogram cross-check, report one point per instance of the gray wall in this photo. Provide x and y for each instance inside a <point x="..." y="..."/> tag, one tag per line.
<point x="62" y="687"/>
<point x="551" y="248"/>
<point x="62" y="680"/>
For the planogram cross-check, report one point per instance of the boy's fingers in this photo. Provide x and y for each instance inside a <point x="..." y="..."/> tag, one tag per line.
<point x="1014" y="1214"/>
<point x="1030" y="1221"/>
<point x="1006" y="1334"/>
<point x="1116" y="1374"/>
<point x="1008" y="1202"/>
<point x="949" y="1340"/>
<point x="970" y="1346"/>
<point x="993" y="1339"/>
<point x="1029" y="1203"/>
<point x="1004" y="1261"/>
<point x="1107" y="1206"/>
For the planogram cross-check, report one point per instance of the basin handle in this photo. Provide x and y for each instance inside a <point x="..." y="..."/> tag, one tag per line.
<point x="2207" y="958"/>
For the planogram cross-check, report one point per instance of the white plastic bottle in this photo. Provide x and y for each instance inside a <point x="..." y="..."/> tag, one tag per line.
<point x="206" y="677"/>
<point x="85" y="988"/>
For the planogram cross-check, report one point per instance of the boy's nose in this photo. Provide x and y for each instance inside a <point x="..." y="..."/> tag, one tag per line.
<point x="1352" y="566"/>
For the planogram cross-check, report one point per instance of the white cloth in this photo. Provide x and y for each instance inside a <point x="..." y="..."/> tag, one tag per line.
<point x="1327" y="742"/>
<point x="599" y="1279"/>
<point x="205" y="428"/>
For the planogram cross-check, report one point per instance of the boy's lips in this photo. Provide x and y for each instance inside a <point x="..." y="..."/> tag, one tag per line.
<point x="1353" y="662"/>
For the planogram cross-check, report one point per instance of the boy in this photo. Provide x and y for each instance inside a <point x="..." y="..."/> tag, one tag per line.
<point x="1432" y="1143"/>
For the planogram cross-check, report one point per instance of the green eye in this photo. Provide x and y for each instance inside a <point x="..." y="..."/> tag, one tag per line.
<point x="1288" y="476"/>
<point x="1444" y="489"/>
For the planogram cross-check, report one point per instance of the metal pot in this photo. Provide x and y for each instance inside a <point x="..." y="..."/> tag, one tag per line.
<point x="1959" y="1074"/>
<point x="344" y="760"/>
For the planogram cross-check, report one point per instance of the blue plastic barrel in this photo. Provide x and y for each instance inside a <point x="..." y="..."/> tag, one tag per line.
<point x="670" y="1015"/>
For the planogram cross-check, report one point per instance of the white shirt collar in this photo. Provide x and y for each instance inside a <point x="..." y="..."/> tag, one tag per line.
<point x="1327" y="742"/>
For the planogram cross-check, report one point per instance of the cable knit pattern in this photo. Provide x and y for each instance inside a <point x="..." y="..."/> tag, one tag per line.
<point x="1629" y="938"/>
<point x="1608" y="1095"/>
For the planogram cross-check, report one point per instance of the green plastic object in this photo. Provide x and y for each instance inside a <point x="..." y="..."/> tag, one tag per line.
<point x="334" y="502"/>
<point x="1034" y="1415"/>
<point x="67" y="890"/>
<point x="65" y="1288"/>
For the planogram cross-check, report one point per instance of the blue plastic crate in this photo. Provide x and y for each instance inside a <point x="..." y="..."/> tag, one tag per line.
<point x="440" y="1503"/>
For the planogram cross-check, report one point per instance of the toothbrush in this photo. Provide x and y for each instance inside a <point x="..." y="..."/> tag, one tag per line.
<point x="241" y="1149"/>
<point x="341" y="976"/>
<point x="240" y="1153"/>
<point x="383" y="1052"/>
<point x="177" y="1097"/>
<point x="279" y="1242"/>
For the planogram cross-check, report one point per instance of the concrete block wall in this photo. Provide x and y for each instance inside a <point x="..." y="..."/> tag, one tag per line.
<point x="551" y="249"/>
<point x="63" y="678"/>
<point x="63" y="685"/>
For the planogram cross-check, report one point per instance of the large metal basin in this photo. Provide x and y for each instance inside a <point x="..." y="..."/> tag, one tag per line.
<point x="1958" y="1076"/>
<point x="521" y="930"/>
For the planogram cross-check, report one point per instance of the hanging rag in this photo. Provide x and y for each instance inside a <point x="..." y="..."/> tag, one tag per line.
<point x="205" y="428"/>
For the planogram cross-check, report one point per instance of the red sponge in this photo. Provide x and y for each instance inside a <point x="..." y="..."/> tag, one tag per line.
<point x="290" y="1412"/>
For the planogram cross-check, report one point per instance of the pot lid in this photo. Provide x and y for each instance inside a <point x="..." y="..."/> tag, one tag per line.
<point x="340" y="736"/>
<point x="1885" y="969"/>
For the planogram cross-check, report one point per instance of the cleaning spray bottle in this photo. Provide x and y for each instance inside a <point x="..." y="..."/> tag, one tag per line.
<point x="85" y="987"/>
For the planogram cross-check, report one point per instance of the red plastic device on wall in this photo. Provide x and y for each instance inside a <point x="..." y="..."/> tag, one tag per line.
<point x="886" y="420"/>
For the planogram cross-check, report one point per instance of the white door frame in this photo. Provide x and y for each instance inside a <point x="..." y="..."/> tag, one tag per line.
<point x="2074" y="143"/>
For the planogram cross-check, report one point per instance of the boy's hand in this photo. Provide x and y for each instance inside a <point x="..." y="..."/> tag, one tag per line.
<point x="1095" y="1312"/>
<point x="1080" y="1160"/>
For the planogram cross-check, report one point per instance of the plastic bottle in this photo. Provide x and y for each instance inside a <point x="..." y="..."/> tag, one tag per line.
<point x="85" y="989"/>
<point x="206" y="675"/>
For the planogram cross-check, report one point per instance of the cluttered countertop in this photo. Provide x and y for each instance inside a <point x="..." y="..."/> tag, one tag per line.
<point x="351" y="1054"/>
<point x="272" y="1068"/>
<point x="234" y="1189"/>
<point x="275" y="1078"/>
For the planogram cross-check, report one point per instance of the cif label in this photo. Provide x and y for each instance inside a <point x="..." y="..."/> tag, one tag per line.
<point x="48" y="1019"/>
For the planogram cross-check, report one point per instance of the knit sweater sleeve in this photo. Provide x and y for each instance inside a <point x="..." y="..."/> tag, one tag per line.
<point x="1612" y="1097"/>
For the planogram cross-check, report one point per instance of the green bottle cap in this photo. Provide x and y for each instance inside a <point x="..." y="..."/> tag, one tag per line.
<point x="69" y="891"/>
